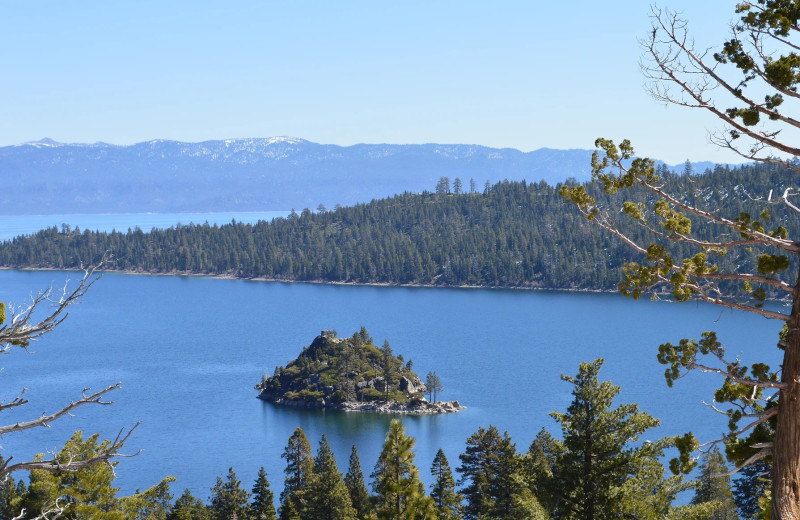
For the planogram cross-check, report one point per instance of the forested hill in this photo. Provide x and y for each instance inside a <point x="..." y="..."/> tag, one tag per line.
<point x="512" y="234"/>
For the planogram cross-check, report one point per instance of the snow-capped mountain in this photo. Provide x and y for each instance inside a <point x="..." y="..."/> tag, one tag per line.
<point x="252" y="174"/>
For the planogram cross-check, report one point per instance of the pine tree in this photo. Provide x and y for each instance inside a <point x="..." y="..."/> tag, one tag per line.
<point x="263" y="505"/>
<point x="10" y="498"/>
<point x="87" y="492"/>
<point x="750" y="485"/>
<point x="153" y="503"/>
<point x="443" y="489"/>
<point x="491" y="470"/>
<point x="228" y="499"/>
<point x="596" y="458"/>
<point x="400" y="493"/>
<point x="327" y="497"/>
<point x="187" y="507"/>
<point x="715" y="486"/>
<point x="354" y="480"/>
<point x="299" y="469"/>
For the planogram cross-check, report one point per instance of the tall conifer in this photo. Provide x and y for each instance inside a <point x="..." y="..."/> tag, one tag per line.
<point x="715" y="486"/>
<point x="354" y="480"/>
<point x="327" y="497"/>
<point x="401" y="495"/>
<point x="263" y="505"/>
<point x="228" y="499"/>
<point x="443" y="490"/>
<point x="299" y="469"/>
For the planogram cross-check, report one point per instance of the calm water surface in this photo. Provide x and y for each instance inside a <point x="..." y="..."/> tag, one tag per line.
<point x="189" y="350"/>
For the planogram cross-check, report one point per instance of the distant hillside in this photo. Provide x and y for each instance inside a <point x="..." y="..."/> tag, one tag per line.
<point x="46" y="177"/>
<point x="513" y="234"/>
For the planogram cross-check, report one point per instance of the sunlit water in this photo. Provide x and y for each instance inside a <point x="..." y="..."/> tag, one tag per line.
<point x="189" y="350"/>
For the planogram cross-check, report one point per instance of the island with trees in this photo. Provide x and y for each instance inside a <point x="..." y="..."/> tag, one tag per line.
<point x="353" y="374"/>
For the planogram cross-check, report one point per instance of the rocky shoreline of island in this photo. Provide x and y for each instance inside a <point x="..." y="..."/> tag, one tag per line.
<point x="421" y="407"/>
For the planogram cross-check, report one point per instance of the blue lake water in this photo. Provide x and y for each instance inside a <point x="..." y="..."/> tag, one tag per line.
<point x="189" y="350"/>
<point x="15" y="225"/>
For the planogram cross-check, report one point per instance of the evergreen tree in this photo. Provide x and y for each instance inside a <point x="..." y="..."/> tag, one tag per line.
<point x="263" y="505"/>
<point x="87" y="492"/>
<point x="744" y="83"/>
<point x="750" y="487"/>
<point x="327" y="496"/>
<point x="354" y="480"/>
<point x="490" y="468"/>
<point x="597" y="456"/>
<point x="10" y="496"/>
<point x="443" y="489"/>
<point x="400" y="493"/>
<point x="388" y="368"/>
<point x="187" y="507"/>
<point x="299" y="470"/>
<point x="434" y="385"/>
<point x="154" y="503"/>
<point x="715" y="486"/>
<point x="228" y="499"/>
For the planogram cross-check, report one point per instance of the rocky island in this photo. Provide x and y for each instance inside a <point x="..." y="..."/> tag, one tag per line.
<point x="352" y="374"/>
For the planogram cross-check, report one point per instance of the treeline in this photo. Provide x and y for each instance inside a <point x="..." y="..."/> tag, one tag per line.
<point x="601" y="469"/>
<point x="512" y="234"/>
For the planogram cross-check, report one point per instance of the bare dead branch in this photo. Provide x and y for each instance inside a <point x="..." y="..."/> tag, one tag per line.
<point x="17" y="401"/>
<point x="45" y="420"/>
<point x="22" y="327"/>
<point x="103" y="455"/>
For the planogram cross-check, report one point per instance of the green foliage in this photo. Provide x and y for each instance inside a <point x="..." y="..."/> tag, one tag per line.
<point x="87" y="492"/>
<point x="299" y="473"/>
<point x="154" y="503"/>
<point x="751" y="489"/>
<point x="187" y="507"/>
<point x="327" y="496"/>
<point x="333" y="370"/>
<point x="400" y="493"/>
<point x="421" y="239"/>
<point x="228" y="499"/>
<point x="263" y="505"/>
<point x="443" y="490"/>
<point x="600" y="470"/>
<point x="354" y="480"/>
<point x="11" y="496"/>
<point x="714" y="486"/>
<point x="434" y="385"/>
<point x="491" y="470"/>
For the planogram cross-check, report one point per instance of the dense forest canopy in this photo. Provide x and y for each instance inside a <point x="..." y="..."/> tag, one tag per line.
<point x="512" y="234"/>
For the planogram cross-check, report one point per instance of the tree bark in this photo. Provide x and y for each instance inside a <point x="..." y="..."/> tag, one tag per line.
<point x="786" y="451"/>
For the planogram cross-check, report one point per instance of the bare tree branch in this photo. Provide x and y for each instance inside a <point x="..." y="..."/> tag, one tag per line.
<point x="104" y="454"/>
<point x="45" y="420"/>
<point x="22" y="327"/>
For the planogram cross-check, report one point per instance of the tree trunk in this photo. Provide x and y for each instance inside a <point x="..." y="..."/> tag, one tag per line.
<point x="786" y="451"/>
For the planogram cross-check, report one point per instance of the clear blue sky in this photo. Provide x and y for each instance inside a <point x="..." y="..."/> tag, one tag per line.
<point x="521" y="74"/>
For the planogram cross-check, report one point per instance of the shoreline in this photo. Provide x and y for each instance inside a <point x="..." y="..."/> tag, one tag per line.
<point x="316" y="282"/>
<point x="380" y="407"/>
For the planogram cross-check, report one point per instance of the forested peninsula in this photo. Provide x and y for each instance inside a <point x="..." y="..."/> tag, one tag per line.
<point x="511" y="234"/>
<point x="352" y="374"/>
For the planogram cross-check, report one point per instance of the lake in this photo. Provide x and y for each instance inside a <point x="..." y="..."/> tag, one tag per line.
<point x="189" y="350"/>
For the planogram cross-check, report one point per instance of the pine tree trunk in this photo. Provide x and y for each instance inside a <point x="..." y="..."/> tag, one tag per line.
<point x="786" y="451"/>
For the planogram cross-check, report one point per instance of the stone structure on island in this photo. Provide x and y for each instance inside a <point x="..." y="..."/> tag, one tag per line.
<point x="350" y="374"/>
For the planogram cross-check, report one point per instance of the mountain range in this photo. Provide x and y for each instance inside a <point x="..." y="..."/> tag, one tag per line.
<point x="279" y="173"/>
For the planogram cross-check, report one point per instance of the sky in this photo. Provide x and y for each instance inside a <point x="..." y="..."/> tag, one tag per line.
<point x="522" y="75"/>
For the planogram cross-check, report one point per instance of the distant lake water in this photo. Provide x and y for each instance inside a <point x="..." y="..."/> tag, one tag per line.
<point x="189" y="350"/>
<point x="15" y="225"/>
